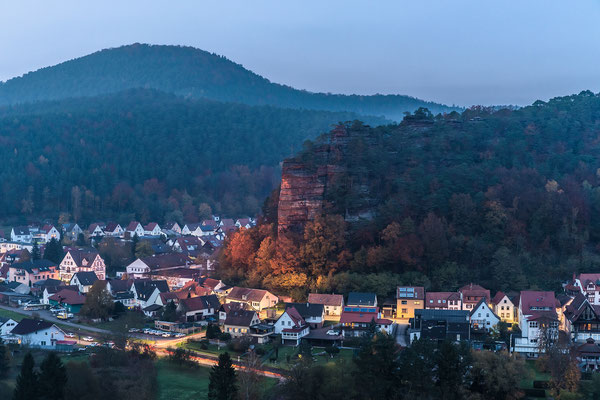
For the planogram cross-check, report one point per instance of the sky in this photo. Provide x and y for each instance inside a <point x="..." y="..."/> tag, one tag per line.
<point x="462" y="52"/>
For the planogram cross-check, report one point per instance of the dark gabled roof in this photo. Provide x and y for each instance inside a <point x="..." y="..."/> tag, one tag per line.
<point x="167" y="260"/>
<point x="111" y="226"/>
<point x="153" y="307"/>
<point x="445" y="315"/>
<point x="48" y="283"/>
<point x="27" y="326"/>
<point x="119" y="285"/>
<point x="21" y="230"/>
<point x="200" y="303"/>
<point x="145" y="288"/>
<point x="86" y="278"/>
<point x="240" y="318"/>
<point x="29" y="266"/>
<point x="307" y="310"/>
<point x="361" y="299"/>
<point x="82" y="254"/>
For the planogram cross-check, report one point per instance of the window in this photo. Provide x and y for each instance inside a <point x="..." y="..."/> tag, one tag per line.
<point x="404" y="302"/>
<point x="404" y="311"/>
<point x="533" y="324"/>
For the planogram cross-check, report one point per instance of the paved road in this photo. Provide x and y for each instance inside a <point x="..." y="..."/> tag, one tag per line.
<point x="401" y="337"/>
<point x="47" y="316"/>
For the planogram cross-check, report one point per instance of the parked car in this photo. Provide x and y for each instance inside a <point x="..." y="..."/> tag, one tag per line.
<point x="88" y="339"/>
<point x="69" y="335"/>
<point x="133" y="330"/>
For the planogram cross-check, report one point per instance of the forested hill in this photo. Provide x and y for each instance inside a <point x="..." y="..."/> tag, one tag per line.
<point x="146" y="154"/>
<point x="509" y="199"/>
<point x="189" y="72"/>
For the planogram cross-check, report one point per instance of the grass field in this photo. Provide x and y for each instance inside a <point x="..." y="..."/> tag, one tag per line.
<point x="122" y="324"/>
<point x="319" y="357"/>
<point x="533" y="374"/>
<point x="175" y="383"/>
<point x="11" y="314"/>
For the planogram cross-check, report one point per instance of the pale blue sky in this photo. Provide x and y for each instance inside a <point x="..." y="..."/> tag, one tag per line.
<point x="462" y="52"/>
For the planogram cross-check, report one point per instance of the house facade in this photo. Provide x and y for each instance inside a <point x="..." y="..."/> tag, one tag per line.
<point x="38" y="333"/>
<point x="443" y="301"/>
<point x="409" y="299"/>
<point x="291" y="326"/>
<point x="505" y="308"/>
<point x="471" y="294"/>
<point x="332" y="303"/>
<point x="257" y="299"/>
<point x="30" y="272"/>
<point x="483" y="317"/>
<point x="82" y="260"/>
<point x="538" y="321"/>
<point x="440" y="325"/>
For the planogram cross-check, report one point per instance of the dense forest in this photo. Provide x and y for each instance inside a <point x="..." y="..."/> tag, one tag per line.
<point x="188" y="72"/>
<point x="147" y="155"/>
<point x="506" y="198"/>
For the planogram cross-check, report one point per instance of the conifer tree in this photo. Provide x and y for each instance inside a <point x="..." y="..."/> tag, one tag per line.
<point x="27" y="381"/>
<point x="223" y="380"/>
<point x="52" y="378"/>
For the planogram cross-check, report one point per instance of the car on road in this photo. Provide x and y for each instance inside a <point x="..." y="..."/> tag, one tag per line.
<point x="88" y="339"/>
<point x="166" y="335"/>
<point x="332" y="332"/>
<point x="133" y="330"/>
<point x="69" y="335"/>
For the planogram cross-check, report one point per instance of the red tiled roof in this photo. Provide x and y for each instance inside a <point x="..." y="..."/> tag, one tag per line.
<point x="531" y="299"/>
<point x="358" y="317"/>
<point x="498" y="297"/>
<point x="440" y="296"/>
<point x="335" y="300"/>
<point x="132" y="226"/>
<point x="68" y="297"/>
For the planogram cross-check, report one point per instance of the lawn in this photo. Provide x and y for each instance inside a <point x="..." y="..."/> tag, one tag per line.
<point x="177" y="383"/>
<point x="123" y="323"/>
<point x="11" y="314"/>
<point x="319" y="356"/>
<point x="533" y="374"/>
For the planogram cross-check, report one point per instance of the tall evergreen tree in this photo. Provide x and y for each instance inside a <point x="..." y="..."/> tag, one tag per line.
<point x="35" y="252"/>
<point x="53" y="251"/>
<point x="223" y="380"/>
<point x="52" y="378"/>
<point x="27" y="381"/>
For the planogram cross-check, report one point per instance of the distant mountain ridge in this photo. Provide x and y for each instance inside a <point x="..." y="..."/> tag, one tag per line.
<point x="189" y="72"/>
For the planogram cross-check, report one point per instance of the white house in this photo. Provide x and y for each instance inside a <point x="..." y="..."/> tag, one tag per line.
<point x="505" y="308"/>
<point x="483" y="317"/>
<point x="291" y="326"/>
<point x="6" y="325"/>
<point x="197" y="308"/>
<point x="95" y="230"/>
<point x="152" y="229"/>
<point x="238" y="322"/>
<point x="83" y="281"/>
<point x="38" y="333"/>
<point x="135" y="228"/>
<point x="21" y="234"/>
<point x="47" y="233"/>
<point x="114" y="230"/>
<point x="72" y="231"/>
<point x="538" y="321"/>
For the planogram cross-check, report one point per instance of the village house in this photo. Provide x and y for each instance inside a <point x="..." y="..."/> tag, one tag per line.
<point x="113" y="229"/>
<point x="29" y="272"/>
<point x="6" y="326"/>
<point x="238" y="322"/>
<point x="152" y="229"/>
<point x="71" y="231"/>
<point x="587" y="355"/>
<point x="291" y="326"/>
<point x="95" y="230"/>
<point x="83" y="281"/>
<point x="313" y="314"/>
<point x="245" y="223"/>
<point x="82" y="260"/>
<point x="198" y="308"/>
<point x="172" y="227"/>
<point x="50" y="290"/>
<point x="362" y="299"/>
<point x="505" y="308"/>
<point x="226" y="308"/>
<point x="38" y="333"/>
<point x="143" y="267"/>
<point x="21" y="234"/>
<point x="332" y="303"/>
<point x="588" y="284"/>
<point x="45" y="234"/>
<point x="471" y="294"/>
<point x="257" y="299"/>
<point x="355" y="321"/>
<point x="483" y="317"/>
<point x="70" y="300"/>
<point x="440" y="325"/>
<point x="178" y="277"/>
<point x="443" y="301"/>
<point x="409" y="299"/>
<point x="134" y="229"/>
<point x="146" y="291"/>
<point x="582" y="319"/>
<point x="538" y="321"/>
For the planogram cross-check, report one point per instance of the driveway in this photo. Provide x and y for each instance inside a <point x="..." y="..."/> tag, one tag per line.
<point x="401" y="334"/>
